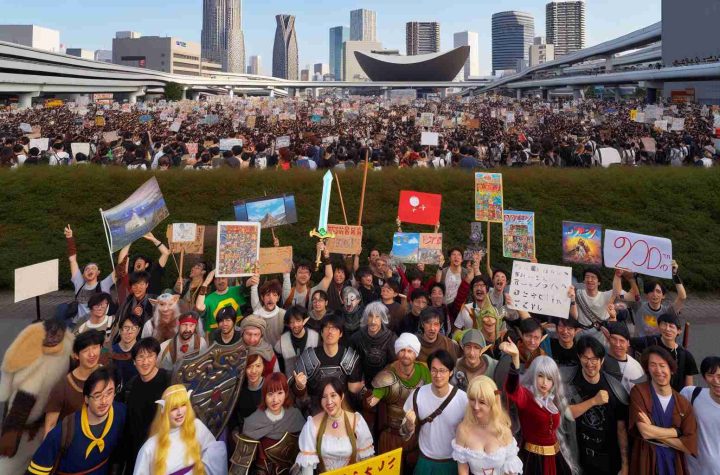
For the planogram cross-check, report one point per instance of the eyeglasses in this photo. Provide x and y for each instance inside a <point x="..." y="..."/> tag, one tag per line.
<point x="107" y="395"/>
<point x="128" y="329"/>
<point x="586" y="360"/>
<point x="439" y="371"/>
<point x="100" y="305"/>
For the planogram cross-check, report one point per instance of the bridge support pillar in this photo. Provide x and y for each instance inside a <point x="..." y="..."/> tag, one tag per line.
<point x="272" y="92"/>
<point x="545" y="94"/>
<point x="231" y="93"/>
<point x="578" y="93"/>
<point x="25" y="99"/>
<point x="518" y="94"/>
<point x="652" y="90"/>
<point x="132" y="97"/>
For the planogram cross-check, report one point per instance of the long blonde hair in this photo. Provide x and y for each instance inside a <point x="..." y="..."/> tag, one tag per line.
<point x="175" y="396"/>
<point x="484" y="389"/>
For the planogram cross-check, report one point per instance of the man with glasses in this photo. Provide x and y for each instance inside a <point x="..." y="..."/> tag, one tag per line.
<point x="98" y="319"/>
<point x="599" y="405"/>
<point x="85" y="441"/>
<point x="140" y="395"/>
<point x="120" y="352"/>
<point x="318" y="309"/>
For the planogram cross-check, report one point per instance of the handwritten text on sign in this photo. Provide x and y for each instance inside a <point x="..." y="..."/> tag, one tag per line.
<point x="541" y="288"/>
<point x="347" y="240"/>
<point x="383" y="464"/>
<point x="639" y="253"/>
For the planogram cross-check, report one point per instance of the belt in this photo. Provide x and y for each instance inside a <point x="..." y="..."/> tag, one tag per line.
<point x="543" y="449"/>
<point x="435" y="460"/>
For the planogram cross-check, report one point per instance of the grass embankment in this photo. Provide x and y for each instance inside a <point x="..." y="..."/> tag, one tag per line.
<point x="681" y="204"/>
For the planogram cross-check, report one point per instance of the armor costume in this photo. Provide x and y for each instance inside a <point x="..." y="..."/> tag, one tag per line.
<point x="352" y="310"/>
<point x="310" y="364"/>
<point x="377" y="351"/>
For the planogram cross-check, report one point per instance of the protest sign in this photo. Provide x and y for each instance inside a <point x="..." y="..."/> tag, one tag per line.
<point x="519" y="234"/>
<point x="250" y="122"/>
<point x="188" y="237"/>
<point x="110" y="137"/>
<point x="76" y="148"/>
<point x="347" y="240"/>
<point x="639" y="253"/>
<point x="678" y="124"/>
<point x="192" y="148"/>
<point x="417" y="248"/>
<point x="238" y="248"/>
<point x="387" y="463"/>
<point x="607" y="156"/>
<point x="489" y="197"/>
<point x="136" y="216"/>
<point x="41" y="144"/>
<point x="275" y="260"/>
<point x="419" y="208"/>
<point x="211" y="119"/>
<point x="476" y="237"/>
<point x="35" y="133"/>
<point x="228" y="144"/>
<point x="648" y="144"/>
<point x="37" y="279"/>
<point x="582" y="243"/>
<point x="269" y="211"/>
<point x="661" y="125"/>
<point x="25" y="128"/>
<point x="472" y="123"/>
<point x="99" y="121"/>
<point x="145" y="118"/>
<point x="541" y="288"/>
<point x="282" y="142"/>
<point x="175" y="126"/>
<point x="426" y="119"/>
<point x="640" y="117"/>
<point x="429" y="138"/>
<point x="633" y="114"/>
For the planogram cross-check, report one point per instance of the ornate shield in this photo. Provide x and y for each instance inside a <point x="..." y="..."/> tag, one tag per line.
<point x="281" y="456"/>
<point x="215" y="377"/>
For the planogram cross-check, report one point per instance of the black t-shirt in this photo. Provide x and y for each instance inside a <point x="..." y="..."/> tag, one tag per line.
<point x="410" y="324"/>
<point x="596" y="430"/>
<point x="247" y="403"/>
<point x="156" y="274"/>
<point x="299" y="343"/>
<point x="563" y="356"/>
<point x="685" y="360"/>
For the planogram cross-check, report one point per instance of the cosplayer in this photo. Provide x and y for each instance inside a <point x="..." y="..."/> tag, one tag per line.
<point x="164" y="323"/>
<point x="33" y="364"/>
<point x="352" y="311"/>
<point x="187" y="342"/>
<point x="374" y="340"/>
<point x="179" y="443"/>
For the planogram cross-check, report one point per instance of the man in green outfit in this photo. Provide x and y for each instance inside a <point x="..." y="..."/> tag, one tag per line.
<point x="224" y="295"/>
<point x="393" y="385"/>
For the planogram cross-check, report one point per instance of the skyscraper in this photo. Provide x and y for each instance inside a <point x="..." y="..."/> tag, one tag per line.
<point x="254" y="66"/>
<point x="362" y="25"/>
<point x="285" y="50"/>
<point x="338" y="36"/>
<point x="472" y="65"/>
<point x="422" y="37"/>
<point x="222" y="39"/>
<point x="565" y="26"/>
<point x="512" y="35"/>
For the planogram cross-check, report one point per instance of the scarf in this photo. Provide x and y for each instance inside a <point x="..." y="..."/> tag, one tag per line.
<point x="664" y="456"/>
<point x="99" y="441"/>
<point x="263" y="349"/>
<point x="548" y="403"/>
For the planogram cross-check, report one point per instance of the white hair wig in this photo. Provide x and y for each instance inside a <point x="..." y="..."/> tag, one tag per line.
<point x="378" y="309"/>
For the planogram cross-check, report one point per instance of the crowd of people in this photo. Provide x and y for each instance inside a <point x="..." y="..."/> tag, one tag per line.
<point x="373" y="357"/>
<point x="331" y="131"/>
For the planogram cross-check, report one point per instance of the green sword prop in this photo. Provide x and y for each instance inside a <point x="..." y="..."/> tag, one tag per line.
<point x="321" y="232"/>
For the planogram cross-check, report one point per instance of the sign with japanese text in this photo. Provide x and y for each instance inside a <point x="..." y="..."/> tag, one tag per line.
<point x="541" y="288"/>
<point x="489" y="197"/>
<point x="582" y="243"/>
<point x="347" y="240"/>
<point x="188" y="237"/>
<point x="639" y="253"/>
<point x="519" y="234"/>
<point x="417" y="248"/>
<point x="383" y="464"/>
<point x="275" y="260"/>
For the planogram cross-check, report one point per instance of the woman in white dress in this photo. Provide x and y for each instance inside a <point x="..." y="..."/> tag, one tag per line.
<point x="334" y="438"/>
<point x="483" y="443"/>
<point x="179" y="444"/>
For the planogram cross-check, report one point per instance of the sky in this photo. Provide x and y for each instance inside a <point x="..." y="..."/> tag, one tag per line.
<point x="91" y="24"/>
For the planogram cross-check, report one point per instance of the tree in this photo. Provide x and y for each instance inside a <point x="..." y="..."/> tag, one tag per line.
<point x="174" y="91"/>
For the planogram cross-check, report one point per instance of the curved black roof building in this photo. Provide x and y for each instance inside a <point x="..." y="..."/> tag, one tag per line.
<point x="421" y="67"/>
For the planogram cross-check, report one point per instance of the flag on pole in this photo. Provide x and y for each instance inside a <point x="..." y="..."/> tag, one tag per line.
<point x="419" y="208"/>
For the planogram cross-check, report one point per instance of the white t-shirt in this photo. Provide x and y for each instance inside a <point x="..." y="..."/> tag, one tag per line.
<point x="598" y="305"/>
<point x="664" y="401"/>
<point x="452" y="284"/>
<point x="631" y="371"/>
<point x="58" y="158"/>
<point x="435" y="437"/>
<point x="707" y="414"/>
<point x="85" y="291"/>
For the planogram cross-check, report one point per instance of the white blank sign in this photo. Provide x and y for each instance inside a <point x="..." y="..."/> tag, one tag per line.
<point x="429" y="138"/>
<point x="37" y="279"/>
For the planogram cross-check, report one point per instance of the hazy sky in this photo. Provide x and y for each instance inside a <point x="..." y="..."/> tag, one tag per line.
<point x="91" y="24"/>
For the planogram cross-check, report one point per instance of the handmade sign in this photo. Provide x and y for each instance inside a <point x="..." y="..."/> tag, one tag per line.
<point x="42" y="144"/>
<point x="347" y="240"/>
<point x="187" y="237"/>
<point x="143" y="119"/>
<point x="136" y="216"/>
<point x="607" y="156"/>
<point x="426" y="119"/>
<point x="640" y="253"/>
<point x="110" y="137"/>
<point x="419" y="208"/>
<point x="282" y="142"/>
<point x="275" y="260"/>
<point x="417" y="248"/>
<point x="678" y="124"/>
<point x="76" y="148"/>
<point x="476" y="237"/>
<point x="238" y="248"/>
<point x="35" y="280"/>
<point x="228" y="144"/>
<point x="489" y="197"/>
<point x="387" y="463"/>
<point x="429" y="138"/>
<point x="541" y="288"/>
<point x="192" y="148"/>
<point x="519" y="234"/>
<point x="269" y="211"/>
<point x="25" y="128"/>
<point x="649" y="144"/>
<point x="582" y="243"/>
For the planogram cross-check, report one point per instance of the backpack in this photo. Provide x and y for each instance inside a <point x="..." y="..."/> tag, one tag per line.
<point x="67" y="432"/>
<point x="696" y="392"/>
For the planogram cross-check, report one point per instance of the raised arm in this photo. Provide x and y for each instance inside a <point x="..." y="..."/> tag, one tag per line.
<point x="679" y="288"/>
<point x="200" y="302"/>
<point x="164" y="251"/>
<point x="618" y="288"/>
<point x="327" y="278"/>
<point x="71" y="250"/>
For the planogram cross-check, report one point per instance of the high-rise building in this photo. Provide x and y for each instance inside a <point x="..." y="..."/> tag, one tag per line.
<point x="352" y="71"/>
<point x="422" y="37"/>
<point x="104" y="55"/>
<point x="362" y="25"/>
<point x="338" y="36"/>
<point x="168" y="54"/>
<point x="320" y="68"/>
<point x="31" y="35"/>
<point x="222" y="37"/>
<point x="472" y="65"/>
<point x="305" y="74"/>
<point x="123" y="35"/>
<point x="254" y="65"/>
<point x="565" y="25"/>
<point x="540" y="52"/>
<point x="285" y="50"/>
<point x="512" y="35"/>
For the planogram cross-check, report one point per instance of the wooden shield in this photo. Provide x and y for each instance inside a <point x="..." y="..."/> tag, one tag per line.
<point x="215" y="378"/>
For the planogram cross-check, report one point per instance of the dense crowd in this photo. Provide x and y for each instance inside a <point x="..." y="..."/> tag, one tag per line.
<point x="357" y="359"/>
<point x="326" y="132"/>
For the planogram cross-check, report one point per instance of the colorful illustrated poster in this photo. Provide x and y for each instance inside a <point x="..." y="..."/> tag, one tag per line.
<point x="269" y="211"/>
<point x="415" y="248"/>
<point x="648" y="255"/>
<point x="136" y="216"/>
<point x="519" y="235"/>
<point x="238" y="248"/>
<point x="541" y="288"/>
<point x="582" y="243"/>
<point x="489" y="197"/>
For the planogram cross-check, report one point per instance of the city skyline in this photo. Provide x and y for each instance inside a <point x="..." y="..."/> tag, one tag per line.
<point x="313" y="22"/>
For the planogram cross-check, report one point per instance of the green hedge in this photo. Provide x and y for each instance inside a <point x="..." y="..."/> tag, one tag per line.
<point x="681" y="204"/>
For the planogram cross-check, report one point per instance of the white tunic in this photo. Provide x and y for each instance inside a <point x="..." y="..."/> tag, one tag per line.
<point x="503" y="461"/>
<point x="336" y="451"/>
<point x="214" y="453"/>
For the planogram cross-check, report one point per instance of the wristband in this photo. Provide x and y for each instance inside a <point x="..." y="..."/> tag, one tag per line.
<point x="158" y="244"/>
<point x="203" y="290"/>
<point x="676" y="279"/>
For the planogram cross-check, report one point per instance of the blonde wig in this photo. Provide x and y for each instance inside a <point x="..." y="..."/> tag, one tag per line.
<point x="174" y="397"/>
<point x="484" y="389"/>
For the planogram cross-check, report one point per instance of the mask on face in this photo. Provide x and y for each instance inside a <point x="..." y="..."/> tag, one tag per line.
<point x="351" y="299"/>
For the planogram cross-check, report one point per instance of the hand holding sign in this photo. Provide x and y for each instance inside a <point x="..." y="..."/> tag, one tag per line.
<point x="640" y="253"/>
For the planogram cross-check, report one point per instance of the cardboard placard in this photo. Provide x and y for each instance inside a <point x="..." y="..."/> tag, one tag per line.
<point x="110" y="137"/>
<point x="196" y="246"/>
<point x="42" y="144"/>
<point x="228" y="144"/>
<point x="519" y="234"/>
<point x="275" y="260"/>
<point x="77" y="147"/>
<point x="430" y="138"/>
<point x="238" y="248"/>
<point x="37" y="279"/>
<point x="489" y="197"/>
<point x="541" y="288"/>
<point x="347" y="240"/>
<point x="282" y="142"/>
<point x="649" y="255"/>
